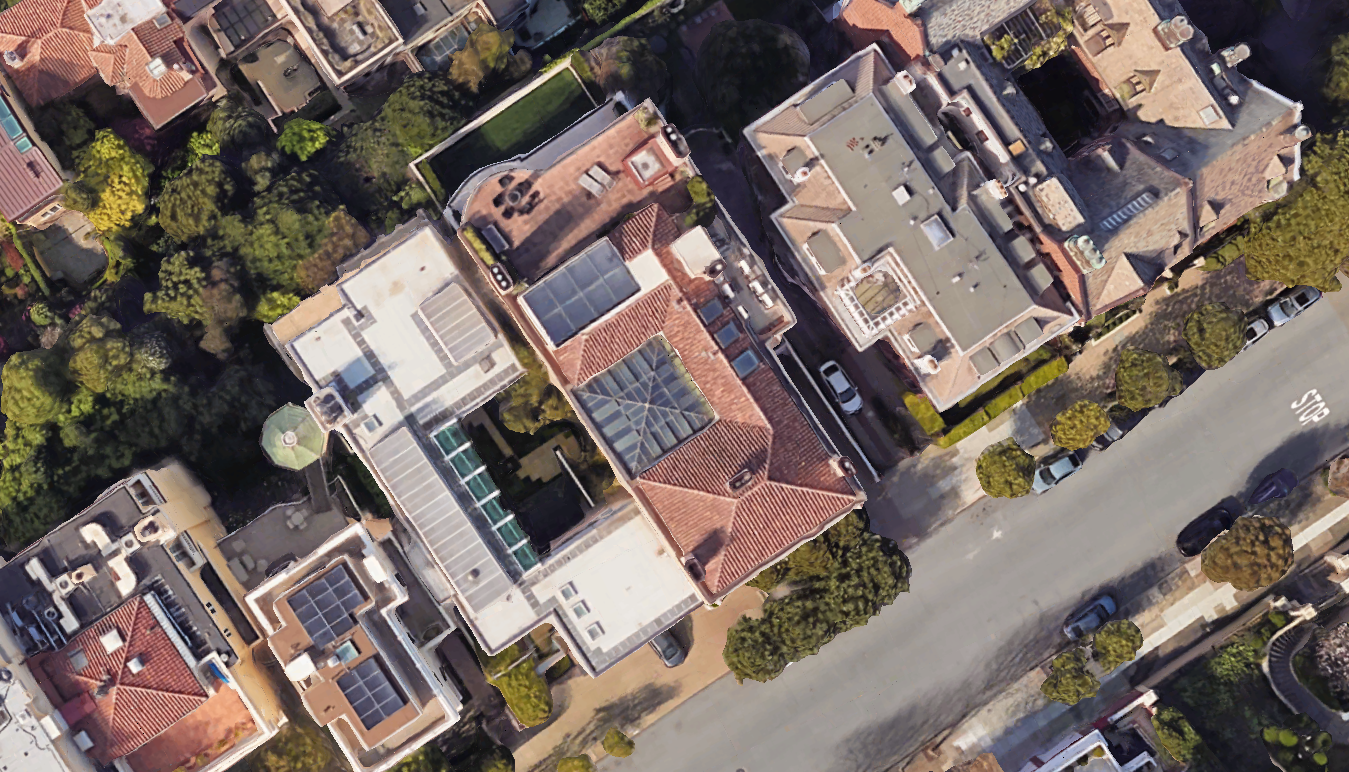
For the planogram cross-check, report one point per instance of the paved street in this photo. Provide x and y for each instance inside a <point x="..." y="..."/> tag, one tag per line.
<point x="991" y="588"/>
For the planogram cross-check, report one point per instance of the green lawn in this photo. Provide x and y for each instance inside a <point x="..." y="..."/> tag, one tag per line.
<point x="523" y="126"/>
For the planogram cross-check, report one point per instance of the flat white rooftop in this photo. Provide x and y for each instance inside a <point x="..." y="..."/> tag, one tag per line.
<point x="24" y="744"/>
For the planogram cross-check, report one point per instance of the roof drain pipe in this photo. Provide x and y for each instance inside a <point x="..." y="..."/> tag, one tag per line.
<point x="562" y="459"/>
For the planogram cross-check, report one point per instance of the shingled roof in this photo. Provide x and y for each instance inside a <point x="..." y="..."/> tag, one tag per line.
<point x="788" y="488"/>
<point x="122" y="710"/>
<point x="57" y="51"/>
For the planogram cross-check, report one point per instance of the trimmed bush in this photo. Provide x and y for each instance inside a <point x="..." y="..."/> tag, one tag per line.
<point x="1077" y="426"/>
<point x="1115" y="643"/>
<point x="1255" y="553"/>
<point x="576" y="764"/>
<point x="1004" y="402"/>
<point x="1143" y="379"/>
<point x="618" y="744"/>
<point x="1177" y="736"/>
<point x="1043" y="375"/>
<point x="526" y="693"/>
<point x="1215" y="333"/>
<point x="927" y="416"/>
<point x="964" y="429"/>
<point x="1005" y="470"/>
<point x="480" y="247"/>
<point x="1070" y="682"/>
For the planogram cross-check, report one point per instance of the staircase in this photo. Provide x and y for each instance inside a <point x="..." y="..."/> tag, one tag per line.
<point x="1282" y="677"/>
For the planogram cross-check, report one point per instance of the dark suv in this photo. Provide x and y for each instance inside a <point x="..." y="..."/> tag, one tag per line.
<point x="1204" y="529"/>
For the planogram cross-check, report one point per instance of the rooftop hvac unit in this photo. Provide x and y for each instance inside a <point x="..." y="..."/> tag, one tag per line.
<point x="927" y="365"/>
<point x="153" y="529"/>
<point x="1234" y="55"/>
<point x="1175" y="31"/>
<point x="801" y="175"/>
<point x="329" y="408"/>
<point x="905" y="82"/>
<point x="83" y="574"/>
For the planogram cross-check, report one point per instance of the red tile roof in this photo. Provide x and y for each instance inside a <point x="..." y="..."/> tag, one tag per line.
<point x="129" y="709"/>
<point x="57" y="45"/>
<point x="865" y="22"/>
<point x="27" y="180"/>
<point x="795" y="490"/>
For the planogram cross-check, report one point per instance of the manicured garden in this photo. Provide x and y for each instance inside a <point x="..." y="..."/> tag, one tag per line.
<point x="975" y="411"/>
<point x="539" y="116"/>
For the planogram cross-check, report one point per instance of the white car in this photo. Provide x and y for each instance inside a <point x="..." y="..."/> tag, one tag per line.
<point x="1255" y="330"/>
<point x="1054" y="470"/>
<point x="844" y="392"/>
<point x="1286" y="309"/>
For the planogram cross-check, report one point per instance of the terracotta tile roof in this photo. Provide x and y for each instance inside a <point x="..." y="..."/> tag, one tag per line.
<point x="865" y="22"/>
<point x="129" y="709"/>
<point x="27" y="180"/>
<point x="57" y="45"/>
<point x="793" y="491"/>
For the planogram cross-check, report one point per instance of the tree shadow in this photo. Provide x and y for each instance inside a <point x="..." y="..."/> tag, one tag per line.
<point x="891" y="740"/>
<point x="1302" y="454"/>
<point x="930" y="497"/>
<point x="621" y="713"/>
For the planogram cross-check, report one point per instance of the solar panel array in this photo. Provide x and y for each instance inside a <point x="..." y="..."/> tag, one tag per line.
<point x="580" y="291"/>
<point x="371" y="694"/>
<point x="456" y="323"/>
<point x="645" y="404"/>
<point x="325" y="605"/>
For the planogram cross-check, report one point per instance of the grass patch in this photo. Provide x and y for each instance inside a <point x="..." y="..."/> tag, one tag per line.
<point x="537" y="117"/>
<point x="926" y="415"/>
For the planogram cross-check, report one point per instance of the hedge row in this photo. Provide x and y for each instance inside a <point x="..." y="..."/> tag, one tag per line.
<point x="933" y="423"/>
<point x="1041" y="377"/>
<point x="927" y="415"/>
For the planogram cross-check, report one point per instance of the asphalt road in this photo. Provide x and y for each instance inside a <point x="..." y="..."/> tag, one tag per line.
<point x="991" y="588"/>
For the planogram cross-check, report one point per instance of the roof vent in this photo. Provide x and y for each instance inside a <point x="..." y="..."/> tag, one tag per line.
<point x="82" y="740"/>
<point x="83" y="574"/>
<point x="13" y="59"/>
<point x="1234" y="55"/>
<point x="927" y="365"/>
<point x="111" y="640"/>
<point x="1302" y="133"/>
<point x="329" y="408"/>
<point x="905" y="82"/>
<point x="741" y="479"/>
<point x="844" y="466"/>
<point x="135" y="664"/>
<point x="1175" y="31"/>
<point x="162" y="21"/>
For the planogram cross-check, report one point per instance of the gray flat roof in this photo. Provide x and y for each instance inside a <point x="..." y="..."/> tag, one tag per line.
<point x="869" y="158"/>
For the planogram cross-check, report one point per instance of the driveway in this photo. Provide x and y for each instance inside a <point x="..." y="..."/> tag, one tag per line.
<point x="991" y="588"/>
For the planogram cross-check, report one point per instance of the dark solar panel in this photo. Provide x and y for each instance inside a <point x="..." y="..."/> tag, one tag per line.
<point x="371" y="694"/>
<point x="242" y="20"/>
<point x="325" y="605"/>
<point x="645" y="404"/>
<point x="581" y="291"/>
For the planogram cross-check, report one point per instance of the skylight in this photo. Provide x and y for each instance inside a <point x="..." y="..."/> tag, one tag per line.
<point x="937" y="232"/>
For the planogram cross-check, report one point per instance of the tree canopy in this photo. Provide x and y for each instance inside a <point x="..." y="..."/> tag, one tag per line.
<point x="1005" y="470"/>
<point x="100" y="353"/>
<point x="1115" y="643"/>
<point x="629" y="65"/>
<point x="487" y="60"/>
<point x="1336" y="86"/>
<point x="1332" y="658"/>
<point x="1070" y="682"/>
<point x="1302" y="241"/>
<point x="533" y="402"/>
<point x="1256" y="552"/>
<point x="192" y="204"/>
<point x="746" y="68"/>
<point x="302" y="138"/>
<point x="113" y="182"/>
<point x="424" y="111"/>
<point x="1215" y="333"/>
<point x="1079" y="425"/>
<point x="236" y="126"/>
<point x="617" y="744"/>
<point x="1143" y="379"/>
<point x="35" y="389"/>
<point x="1177" y="736"/>
<point x="576" y="764"/>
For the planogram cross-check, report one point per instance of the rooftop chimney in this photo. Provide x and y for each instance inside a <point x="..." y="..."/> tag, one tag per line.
<point x="1107" y="158"/>
<point x="1234" y="55"/>
<point x="1175" y="31"/>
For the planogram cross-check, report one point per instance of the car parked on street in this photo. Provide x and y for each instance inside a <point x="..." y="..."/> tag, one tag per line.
<point x="1109" y="437"/>
<point x="668" y="649"/>
<point x="1275" y="486"/>
<point x="849" y="401"/>
<point x="1089" y="619"/>
<point x="1255" y="330"/>
<point x="1288" y="307"/>
<point x="1053" y="470"/>
<point x="1204" y="529"/>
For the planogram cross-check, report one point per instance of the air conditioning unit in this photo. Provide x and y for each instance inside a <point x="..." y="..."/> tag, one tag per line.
<point x="152" y="529"/>
<point x="905" y="82"/>
<point x="1175" y="31"/>
<point x="130" y="543"/>
<point x="329" y="408"/>
<point x="82" y="574"/>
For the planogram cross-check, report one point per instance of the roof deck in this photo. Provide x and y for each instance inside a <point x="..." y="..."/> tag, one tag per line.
<point x="350" y="36"/>
<point x="281" y="535"/>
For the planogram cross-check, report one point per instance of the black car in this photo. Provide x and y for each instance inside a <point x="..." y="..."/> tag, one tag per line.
<point x="1204" y="529"/>
<point x="1275" y="486"/>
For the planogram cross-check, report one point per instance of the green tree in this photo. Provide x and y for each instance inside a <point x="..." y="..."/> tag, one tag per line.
<point x="100" y="353"/>
<point x="1177" y="736"/>
<point x="192" y="204"/>
<point x="345" y="238"/>
<point x="629" y="65"/>
<point x="1143" y="379"/>
<point x="274" y="305"/>
<point x="1336" y="87"/>
<point x="181" y="280"/>
<point x="113" y="182"/>
<point x="1301" y="242"/>
<point x="1215" y="333"/>
<point x="1070" y="682"/>
<point x="618" y="744"/>
<point x="302" y="138"/>
<point x="576" y="764"/>
<point x="1255" y="553"/>
<point x="288" y="224"/>
<point x="35" y="388"/>
<point x="1005" y="470"/>
<point x="423" y="111"/>
<point x="704" y="204"/>
<point x="1115" y="643"/>
<point x="236" y="126"/>
<point x="487" y="59"/>
<point x="753" y="651"/>
<point x="532" y="402"/>
<point x="746" y="68"/>
<point x="224" y="305"/>
<point x="261" y="169"/>
<point x="1078" y="426"/>
<point x="602" y="11"/>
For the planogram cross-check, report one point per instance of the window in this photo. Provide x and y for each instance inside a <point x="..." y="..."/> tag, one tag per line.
<point x="419" y="9"/>
<point x="184" y="551"/>
<point x="481" y="486"/>
<point x="78" y="660"/>
<point x="511" y="533"/>
<point x="580" y="609"/>
<point x="595" y="631"/>
<point x="711" y="311"/>
<point x="746" y="363"/>
<point x="156" y="68"/>
<point x="525" y="556"/>
<point x="451" y="439"/>
<point x="51" y="212"/>
<point x="937" y="232"/>
<point x="727" y="335"/>
<point x="568" y="591"/>
<point x="162" y="21"/>
<point x="347" y="652"/>
<point x="494" y="511"/>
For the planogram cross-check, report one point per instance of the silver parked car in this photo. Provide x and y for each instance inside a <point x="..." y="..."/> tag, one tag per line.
<point x="1089" y="619"/>
<point x="668" y="649"/>
<point x="849" y="401"/>
<point x="1255" y="330"/>
<point x="1288" y="307"/>
<point x="1054" y="470"/>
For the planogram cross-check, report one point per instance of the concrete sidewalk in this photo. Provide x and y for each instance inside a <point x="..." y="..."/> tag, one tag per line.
<point x="637" y="691"/>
